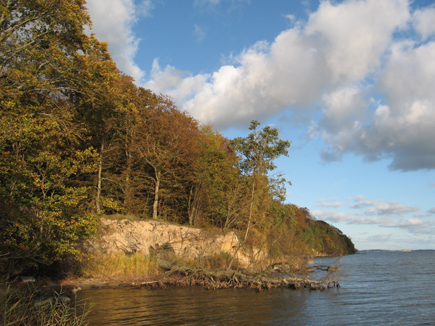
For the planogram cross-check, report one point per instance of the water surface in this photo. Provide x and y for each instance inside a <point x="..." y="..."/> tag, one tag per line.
<point x="383" y="288"/>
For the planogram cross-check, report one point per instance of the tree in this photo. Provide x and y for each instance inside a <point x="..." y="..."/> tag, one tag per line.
<point x="258" y="152"/>
<point x="218" y="193"/>
<point x="43" y="154"/>
<point x="165" y="139"/>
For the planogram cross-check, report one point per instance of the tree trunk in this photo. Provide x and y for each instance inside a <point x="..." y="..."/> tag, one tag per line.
<point x="250" y="209"/>
<point x="128" y="199"/>
<point x="192" y="205"/>
<point x="100" y="170"/>
<point x="156" y="194"/>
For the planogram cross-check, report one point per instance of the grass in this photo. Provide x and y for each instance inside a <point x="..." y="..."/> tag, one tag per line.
<point x="122" y="266"/>
<point x="20" y="307"/>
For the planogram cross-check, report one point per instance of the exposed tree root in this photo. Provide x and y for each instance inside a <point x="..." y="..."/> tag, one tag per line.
<point x="179" y="275"/>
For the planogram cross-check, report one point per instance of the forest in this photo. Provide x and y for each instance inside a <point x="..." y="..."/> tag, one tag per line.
<point x="80" y="140"/>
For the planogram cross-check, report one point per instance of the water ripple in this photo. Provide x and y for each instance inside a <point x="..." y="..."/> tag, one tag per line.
<point x="384" y="288"/>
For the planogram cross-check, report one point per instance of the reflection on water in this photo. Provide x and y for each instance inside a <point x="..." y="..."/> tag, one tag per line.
<point x="383" y="288"/>
<point x="193" y="306"/>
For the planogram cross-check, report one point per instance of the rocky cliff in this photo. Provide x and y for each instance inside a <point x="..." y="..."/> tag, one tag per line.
<point x="160" y="237"/>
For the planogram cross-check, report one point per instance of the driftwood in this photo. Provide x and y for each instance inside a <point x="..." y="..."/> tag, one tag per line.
<point x="219" y="278"/>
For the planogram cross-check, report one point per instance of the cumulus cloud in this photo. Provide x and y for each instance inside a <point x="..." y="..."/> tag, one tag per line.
<point x="381" y="214"/>
<point x="112" y="23"/>
<point x="376" y="207"/>
<point x="322" y="203"/>
<point x="423" y="20"/>
<point x="370" y="93"/>
<point x="175" y="83"/>
<point x="337" y="204"/>
<point x="340" y="217"/>
<point x="342" y="61"/>
<point x="354" y="34"/>
<point x="267" y="78"/>
<point x="337" y="46"/>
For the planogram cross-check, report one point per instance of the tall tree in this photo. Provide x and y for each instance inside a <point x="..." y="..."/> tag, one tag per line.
<point x="166" y="141"/>
<point x="100" y="103"/>
<point x="258" y="152"/>
<point x="218" y="193"/>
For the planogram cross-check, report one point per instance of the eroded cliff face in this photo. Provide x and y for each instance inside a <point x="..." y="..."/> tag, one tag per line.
<point x="153" y="236"/>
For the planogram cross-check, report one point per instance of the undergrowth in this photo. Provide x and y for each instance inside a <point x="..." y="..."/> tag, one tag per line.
<point x="121" y="266"/>
<point x="23" y="307"/>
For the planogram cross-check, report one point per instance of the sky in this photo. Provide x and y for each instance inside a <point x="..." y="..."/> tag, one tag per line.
<point x="349" y="83"/>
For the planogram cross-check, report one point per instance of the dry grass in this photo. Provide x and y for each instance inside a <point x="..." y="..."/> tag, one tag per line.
<point x="122" y="266"/>
<point x="22" y="308"/>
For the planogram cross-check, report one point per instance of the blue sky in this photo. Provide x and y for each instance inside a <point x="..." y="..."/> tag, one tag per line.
<point x="350" y="83"/>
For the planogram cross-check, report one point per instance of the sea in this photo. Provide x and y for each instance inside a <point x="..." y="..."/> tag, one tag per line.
<point x="381" y="288"/>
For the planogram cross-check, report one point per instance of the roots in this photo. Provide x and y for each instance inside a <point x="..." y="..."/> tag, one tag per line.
<point x="179" y="275"/>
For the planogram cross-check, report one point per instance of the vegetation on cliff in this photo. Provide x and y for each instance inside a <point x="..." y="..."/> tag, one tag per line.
<point x="79" y="139"/>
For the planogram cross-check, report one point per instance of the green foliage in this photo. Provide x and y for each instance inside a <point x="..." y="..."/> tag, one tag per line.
<point x="44" y="156"/>
<point x="259" y="149"/>
<point x="257" y="154"/>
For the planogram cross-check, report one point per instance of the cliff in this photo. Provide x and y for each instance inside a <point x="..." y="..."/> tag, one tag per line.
<point x="162" y="238"/>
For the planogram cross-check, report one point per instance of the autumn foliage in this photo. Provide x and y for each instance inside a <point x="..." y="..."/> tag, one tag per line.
<point x="79" y="139"/>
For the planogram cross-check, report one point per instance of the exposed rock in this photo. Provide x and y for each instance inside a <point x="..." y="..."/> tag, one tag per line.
<point x="162" y="238"/>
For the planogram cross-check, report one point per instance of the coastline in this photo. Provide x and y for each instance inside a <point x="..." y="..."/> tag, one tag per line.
<point x="173" y="275"/>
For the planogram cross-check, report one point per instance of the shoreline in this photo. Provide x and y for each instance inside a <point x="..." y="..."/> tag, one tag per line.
<point x="174" y="275"/>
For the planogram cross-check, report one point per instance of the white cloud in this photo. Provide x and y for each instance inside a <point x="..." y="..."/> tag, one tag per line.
<point x="416" y="226"/>
<point x="342" y="60"/>
<point x="376" y="207"/>
<point x="403" y="128"/>
<point x="175" y="83"/>
<point x="340" y="217"/>
<point x="338" y="60"/>
<point x="424" y="22"/>
<point x="337" y="204"/>
<point x="266" y="79"/>
<point x="323" y="204"/>
<point x="355" y="34"/>
<point x="112" y="23"/>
